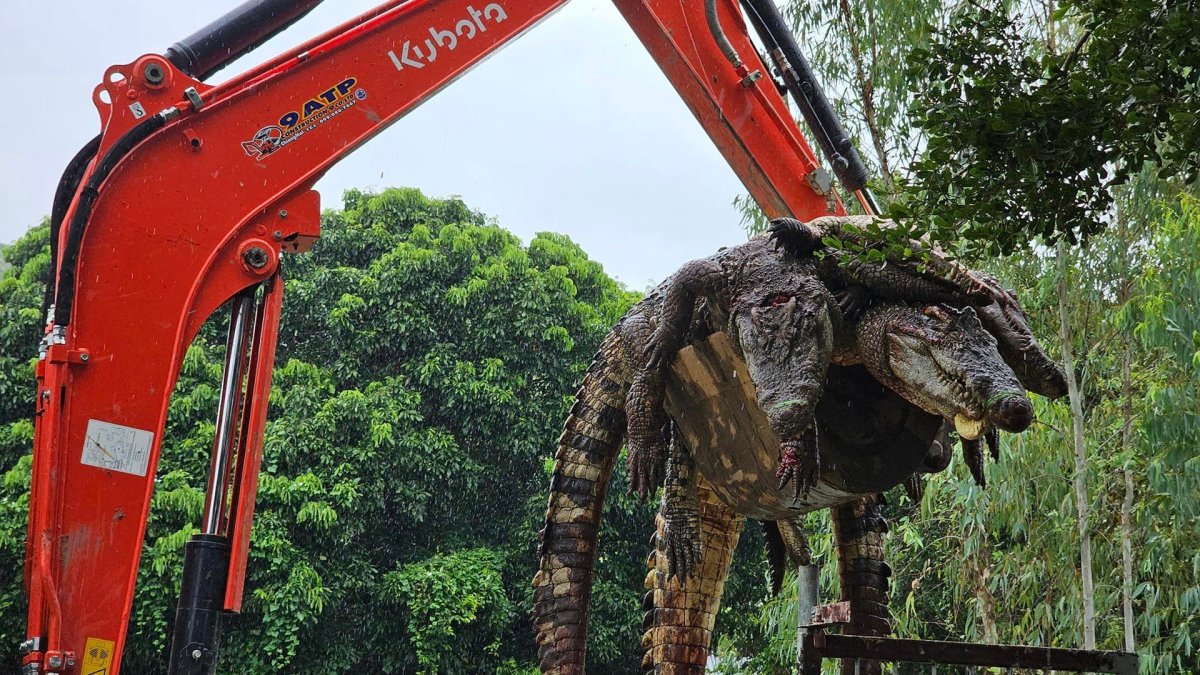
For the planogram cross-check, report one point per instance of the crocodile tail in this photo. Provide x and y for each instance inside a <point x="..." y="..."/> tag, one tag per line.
<point x="583" y="465"/>
<point x="679" y="618"/>
<point x="858" y="528"/>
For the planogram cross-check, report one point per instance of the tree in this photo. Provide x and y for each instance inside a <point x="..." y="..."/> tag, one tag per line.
<point x="1027" y="142"/>
<point x="855" y="47"/>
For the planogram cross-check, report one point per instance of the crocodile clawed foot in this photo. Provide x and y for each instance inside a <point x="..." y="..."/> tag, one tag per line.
<point x="800" y="465"/>
<point x="645" y="469"/>
<point x="852" y="300"/>
<point x="973" y="455"/>
<point x="683" y="549"/>
<point x="993" y="443"/>
<point x="915" y="487"/>
<point x="794" y="237"/>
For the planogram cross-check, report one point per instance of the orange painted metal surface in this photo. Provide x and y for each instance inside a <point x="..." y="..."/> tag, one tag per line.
<point x="164" y="249"/>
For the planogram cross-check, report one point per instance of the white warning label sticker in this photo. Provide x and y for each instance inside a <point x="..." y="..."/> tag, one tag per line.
<point x="117" y="448"/>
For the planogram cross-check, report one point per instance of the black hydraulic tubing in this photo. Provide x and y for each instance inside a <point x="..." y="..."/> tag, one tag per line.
<point x="234" y="35"/>
<point x="68" y="185"/>
<point x="64" y="297"/>
<point x="832" y="138"/>
<point x="714" y="25"/>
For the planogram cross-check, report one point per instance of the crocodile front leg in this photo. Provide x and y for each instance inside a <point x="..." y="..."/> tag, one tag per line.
<point x="698" y="278"/>
<point x="646" y="421"/>
<point x="680" y="615"/>
<point x="647" y="432"/>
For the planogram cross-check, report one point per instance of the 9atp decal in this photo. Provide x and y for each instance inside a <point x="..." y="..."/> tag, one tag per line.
<point x="294" y="124"/>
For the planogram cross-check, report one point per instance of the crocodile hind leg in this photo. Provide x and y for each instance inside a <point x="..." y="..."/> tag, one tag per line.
<point x="858" y="529"/>
<point x="680" y="616"/>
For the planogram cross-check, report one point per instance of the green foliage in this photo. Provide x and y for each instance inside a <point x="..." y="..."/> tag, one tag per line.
<point x="1028" y="138"/>
<point x="444" y="595"/>
<point x="1002" y="564"/>
<point x="854" y="47"/>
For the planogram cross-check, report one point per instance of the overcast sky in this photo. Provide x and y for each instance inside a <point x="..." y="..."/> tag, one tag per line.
<point x="572" y="128"/>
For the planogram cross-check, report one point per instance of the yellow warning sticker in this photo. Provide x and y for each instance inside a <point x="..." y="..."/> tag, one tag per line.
<point x="98" y="657"/>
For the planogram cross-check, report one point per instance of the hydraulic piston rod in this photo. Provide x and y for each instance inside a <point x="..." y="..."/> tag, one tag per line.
<point x="240" y="322"/>
<point x="197" y="634"/>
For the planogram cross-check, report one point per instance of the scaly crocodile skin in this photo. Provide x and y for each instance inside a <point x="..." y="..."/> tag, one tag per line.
<point x="621" y="398"/>
<point x="582" y="468"/>
<point x="680" y="615"/>
<point x="858" y="529"/>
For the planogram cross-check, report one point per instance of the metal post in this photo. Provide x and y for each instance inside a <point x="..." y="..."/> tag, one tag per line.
<point x="808" y="582"/>
<point x="240" y="322"/>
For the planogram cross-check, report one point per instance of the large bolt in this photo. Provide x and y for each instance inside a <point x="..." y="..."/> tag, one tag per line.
<point x="54" y="662"/>
<point x="256" y="258"/>
<point x="154" y="74"/>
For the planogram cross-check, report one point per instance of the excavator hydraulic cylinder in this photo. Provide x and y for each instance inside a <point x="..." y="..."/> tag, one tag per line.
<point x="236" y="34"/>
<point x="802" y="83"/>
<point x="197" y="637"/>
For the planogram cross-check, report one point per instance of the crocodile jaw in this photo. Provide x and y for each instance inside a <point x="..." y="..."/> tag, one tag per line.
<point x="968" y="428"/>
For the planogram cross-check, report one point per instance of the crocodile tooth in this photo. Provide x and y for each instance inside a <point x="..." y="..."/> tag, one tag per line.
<point x="968" y="428"/>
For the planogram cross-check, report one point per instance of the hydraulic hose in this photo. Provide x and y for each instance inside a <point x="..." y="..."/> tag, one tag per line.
<point x="714" y="25"/>
<point x="200" y="55"/>
<point x="64" y="297"/>
<point x="798" y="76"/>
<point x="68" y="185"/>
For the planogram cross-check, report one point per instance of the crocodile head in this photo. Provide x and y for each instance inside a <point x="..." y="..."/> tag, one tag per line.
<point x="945" y="362"/>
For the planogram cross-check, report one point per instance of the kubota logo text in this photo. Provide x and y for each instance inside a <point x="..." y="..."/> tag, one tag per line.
<point x="418" y="55"/>
<point x="315" y="112"/>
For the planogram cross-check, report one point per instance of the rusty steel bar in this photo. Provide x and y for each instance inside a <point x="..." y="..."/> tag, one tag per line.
<point x="824" y="646"/>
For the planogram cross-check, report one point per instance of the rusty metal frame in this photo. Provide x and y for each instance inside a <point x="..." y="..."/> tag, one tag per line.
<point x="818" y="645"/>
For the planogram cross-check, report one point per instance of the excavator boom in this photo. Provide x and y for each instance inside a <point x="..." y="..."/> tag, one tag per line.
<point x="186" y="202"/>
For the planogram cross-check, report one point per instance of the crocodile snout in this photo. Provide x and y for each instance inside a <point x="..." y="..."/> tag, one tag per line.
<point x="1013" y="414"/>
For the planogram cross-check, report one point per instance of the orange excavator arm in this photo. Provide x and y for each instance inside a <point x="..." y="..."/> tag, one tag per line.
<point x="185" y="203"/>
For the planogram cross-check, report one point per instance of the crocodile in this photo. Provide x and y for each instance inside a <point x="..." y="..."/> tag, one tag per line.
<point x="945" y="363"/>
<point x="1002" y="314"/>
<point x="621" y="398"/>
